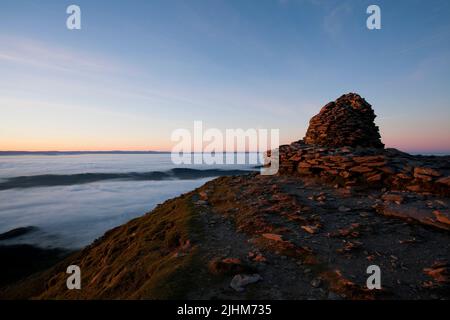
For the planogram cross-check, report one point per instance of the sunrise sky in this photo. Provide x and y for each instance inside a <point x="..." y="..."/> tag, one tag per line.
<point x="137" y="70"/>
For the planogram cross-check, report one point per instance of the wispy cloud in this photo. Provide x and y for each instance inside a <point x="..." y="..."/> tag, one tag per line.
<point x="101" y="78"/>
<point x="30" y="53"/>
<point x="51" y="62"/>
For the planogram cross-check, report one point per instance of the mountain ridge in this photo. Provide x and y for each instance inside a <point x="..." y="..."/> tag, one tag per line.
<point x="309" y="232"/>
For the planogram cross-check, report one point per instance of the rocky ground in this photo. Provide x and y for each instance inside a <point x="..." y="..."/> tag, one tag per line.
<point x="310" y="241"/>
<point x="257" y="237"/>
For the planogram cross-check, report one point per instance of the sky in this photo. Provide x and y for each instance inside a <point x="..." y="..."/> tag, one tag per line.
<point x="138" y="70"/>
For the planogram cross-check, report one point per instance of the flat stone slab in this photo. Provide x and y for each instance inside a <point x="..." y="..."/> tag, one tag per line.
<point x="416" y="211"/>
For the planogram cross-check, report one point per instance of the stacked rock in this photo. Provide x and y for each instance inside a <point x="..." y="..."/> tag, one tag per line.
<point x="348" y="121"/>
<point x="367" y="167"/>
<point x="343" y="147"/>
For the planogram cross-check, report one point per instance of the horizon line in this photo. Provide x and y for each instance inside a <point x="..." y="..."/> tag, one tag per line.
<point x="80" y="152"/>
<point x="3" y="152"/>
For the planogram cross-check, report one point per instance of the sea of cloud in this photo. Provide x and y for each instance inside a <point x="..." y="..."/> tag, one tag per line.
<point x="73" y="216"/>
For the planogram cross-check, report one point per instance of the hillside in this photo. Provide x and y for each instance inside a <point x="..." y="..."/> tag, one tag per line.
<point x="309" y="232"/>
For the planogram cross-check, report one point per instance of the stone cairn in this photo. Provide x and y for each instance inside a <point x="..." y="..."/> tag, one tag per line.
<point x="348" y="121"/>
<point x="342" y="146"/>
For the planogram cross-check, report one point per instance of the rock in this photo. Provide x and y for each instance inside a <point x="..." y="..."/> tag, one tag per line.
<point x="348" y="121"/>
<point x="442" y="216"/>
<point x="350" y="231"/>
<point x="179" y="254"/>
<point x="375" y="178"/>
<point x="310" y="229"/>
<point x="360" y="169"/>
<point x="404" y="176"/>
<point x="316" y="283"/>
<point x="370" y="159"/>
<point x="203" y="195"/>
<point x="414" y="188"/>
<point x="387" y="170"/>
<point x="439" y="271"/>
<point x="364" y="214"/>
<point x="201" y="203"/>
<point x="376" y="164"/>
<point x="415" y="212"/>
<point x="321" y="197"/>
<point x="257" y="257"/>
<point x="344" y="209"/>
<point x="423" y="177"/>
<point x="345" y="174"/>
<point x="304" y="165"/>
<point x="239" y="281"/>
<point x="420" y="171"/>
<point x="349" y="246"/>
<point x="439" y="204"/>
<point x="295" y="157"/>
<point x="445" y="180"/>
<point x="272" y="236"/>
<point x="228" y="266"/>
<point x="394" y="197"/>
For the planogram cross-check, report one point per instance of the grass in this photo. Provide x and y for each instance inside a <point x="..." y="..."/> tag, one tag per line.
<point x="150" y="257"/>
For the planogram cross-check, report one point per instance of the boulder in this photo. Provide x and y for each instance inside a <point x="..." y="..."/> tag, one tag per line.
<point x="239" y="281"/>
